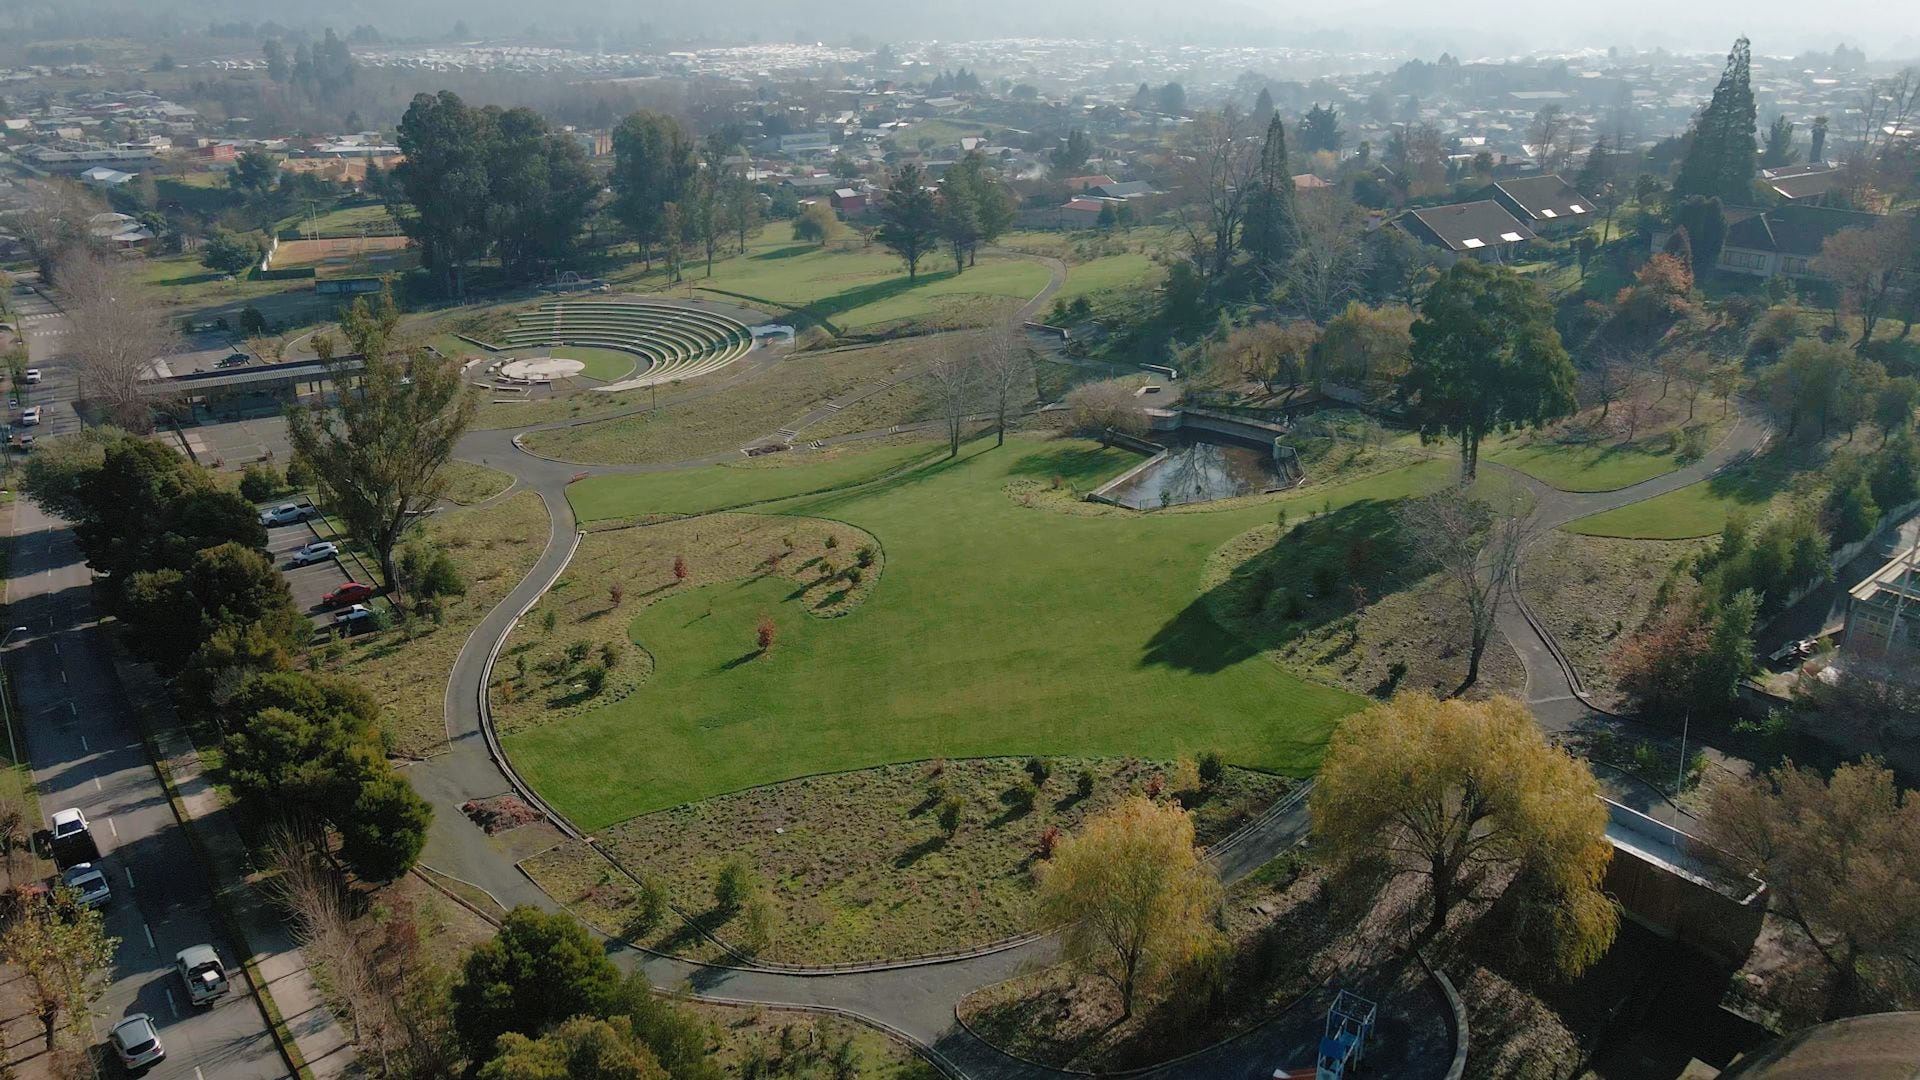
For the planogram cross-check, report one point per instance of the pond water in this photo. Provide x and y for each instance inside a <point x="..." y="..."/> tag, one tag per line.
<point x="1195" y="471"/>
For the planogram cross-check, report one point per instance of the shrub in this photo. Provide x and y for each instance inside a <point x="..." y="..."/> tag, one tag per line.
<point x="609" y="656"/>
<point x="853" y="575"/>
<point x="300" y="475"/>
<point x="1039" y="768"/>
<point x="832" y="542"/>
<point x="864" y="556"/>
<point x="1213" y="768"/>
<point x="679" y="568"/>
<point x="260" y="483"/>
<point x="733" y="886"/>
<point x="649" y="908"/>
<point x="549" y="619"/>
<point x="1021" y="796"/>
<point x="1186" y="779"/>
<point x="577" y="653"/>
<point x="1049" y="839"/>
<point x="1084" y="783"/>
<point x="1156" y="784"/>
<point x="1646" y="759"/>
<point x="765" y="632"/>
<point x="1775" y="331"/>
<point x="595" y="679"/>
<point x="949" y="816"/>
<point x="616" y="594"/>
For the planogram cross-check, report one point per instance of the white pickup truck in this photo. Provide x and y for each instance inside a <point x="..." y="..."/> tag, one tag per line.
<point x="206" y="977"/>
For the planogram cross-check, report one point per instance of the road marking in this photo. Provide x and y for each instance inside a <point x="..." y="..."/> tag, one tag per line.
<point x="174" y="1008"/>
<point x="196" y="1073"/>
<point x="96" y="783"/>
<point x="63" y="676"/>
<point x="129" y="872"/>
<point x="56" y="648"/>
<point x="84" y="746"/>
<point x="73" y="711"/>
<point x="114" y="829"/>
<point x="148" y="930"/>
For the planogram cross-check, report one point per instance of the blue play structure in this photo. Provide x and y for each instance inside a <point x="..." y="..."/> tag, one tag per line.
<point x="1342" y="1046"/>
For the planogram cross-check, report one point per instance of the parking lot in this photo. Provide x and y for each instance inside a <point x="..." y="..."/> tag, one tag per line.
<point x="313" y="581"/>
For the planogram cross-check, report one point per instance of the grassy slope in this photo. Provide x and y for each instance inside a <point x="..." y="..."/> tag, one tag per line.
<point x="855" y="287"/>
<point x="1695" y="510"/>
<point x="996" y="630"/>
<point x="1587" y="467"/>
<point x="1106" y="272"/>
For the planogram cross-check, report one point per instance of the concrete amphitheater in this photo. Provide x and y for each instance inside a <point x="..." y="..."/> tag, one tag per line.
<point x="670" y="341"/>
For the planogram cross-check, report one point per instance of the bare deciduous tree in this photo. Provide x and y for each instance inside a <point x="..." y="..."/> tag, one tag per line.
<point x="314" y="896"/>
<point x="956" y="383"/>
<point x="1476" y="548"/>
<point x="120" y="334"/>
<point x="1330" y="265"/>
<point x="1105" y="408"/>
<point x="1611" y="377"/>
<point x="1219" y="157"/>
<point x="1006" y="372"/>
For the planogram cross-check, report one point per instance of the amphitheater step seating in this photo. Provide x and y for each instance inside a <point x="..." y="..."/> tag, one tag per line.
<point x="672" y="342"/>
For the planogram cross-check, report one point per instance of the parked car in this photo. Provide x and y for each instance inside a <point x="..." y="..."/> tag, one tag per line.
<point x="203" y="973"/>
<point x="31" y="416"/>
<point x="137" y="1042"/>
<point x="89" y="885"/>
<point x="318" y="551"/>
<point x="232" y="360"/>
<point x="72" y="838"/>
<point x="352" y="592"/>
<point x="285" y="514"/>
<point x="353" y="618"/>
<point x="1794" y="651"/>
<point x="32" y="375"/>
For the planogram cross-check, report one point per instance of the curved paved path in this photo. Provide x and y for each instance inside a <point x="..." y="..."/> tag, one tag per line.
<point x="917" y="1001"/>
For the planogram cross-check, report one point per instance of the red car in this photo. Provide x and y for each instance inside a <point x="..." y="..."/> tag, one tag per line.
<point x="350" y="593"/>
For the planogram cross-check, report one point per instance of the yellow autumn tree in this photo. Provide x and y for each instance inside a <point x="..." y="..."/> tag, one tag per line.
<point x="1134" y="895"/>
<point x="1452" y="789"/>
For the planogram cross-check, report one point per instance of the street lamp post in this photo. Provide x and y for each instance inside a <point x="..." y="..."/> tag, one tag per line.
<point x="6" y="696"/>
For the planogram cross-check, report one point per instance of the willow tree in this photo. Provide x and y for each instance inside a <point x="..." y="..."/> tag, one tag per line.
<point x="1133" y="894"/>
<point x="1459" y="791"/>
<point x="378" y="453"/>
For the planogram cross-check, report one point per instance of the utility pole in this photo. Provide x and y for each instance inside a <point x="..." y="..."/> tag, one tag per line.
<point x="1680" y="779"/>
<point x="6" y="700"/>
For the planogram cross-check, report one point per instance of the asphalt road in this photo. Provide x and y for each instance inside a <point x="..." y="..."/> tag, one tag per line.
<point x="85" y="754"/>
<point x="48" y="332"/>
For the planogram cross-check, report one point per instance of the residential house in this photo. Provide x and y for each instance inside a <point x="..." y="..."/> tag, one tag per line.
<point x="1480" y="230"/>
<point x="104" y="178"/>
<point x="1083" y="183"/>
<point x="849" y="202"/>
<point x="120" y="230"/>
<point x="1883" y="612"/>
<point x="1083" y="211"/>
<point x="1131" y="189"/>
<point x="1782" y="241"/>
<point x="1306" y="182"/>
<point x="1547" y="204"/>
<point x="1806" y="184"/>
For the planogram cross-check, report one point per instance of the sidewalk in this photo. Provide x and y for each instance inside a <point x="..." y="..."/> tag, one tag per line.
<point x="293" y="1003"/>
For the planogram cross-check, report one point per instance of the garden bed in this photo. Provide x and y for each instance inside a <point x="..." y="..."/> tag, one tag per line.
<point x="858" y="865"/>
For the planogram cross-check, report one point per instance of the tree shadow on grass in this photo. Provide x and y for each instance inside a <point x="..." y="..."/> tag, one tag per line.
<point x="828" y="307"/>
<point x="1076" y="465"/>
<point x="789" y="252"/>
<point x="744" y="658"/>
<point x="1317" y="572"/>
<point x="920" y="851"/>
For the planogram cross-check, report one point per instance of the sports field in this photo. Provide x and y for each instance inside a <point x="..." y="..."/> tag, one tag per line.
<point x="995" y="629"/>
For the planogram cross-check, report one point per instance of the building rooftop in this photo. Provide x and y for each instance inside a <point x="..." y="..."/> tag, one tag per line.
<point x="1544" y="198"/>
<point x="1468" y="226"/>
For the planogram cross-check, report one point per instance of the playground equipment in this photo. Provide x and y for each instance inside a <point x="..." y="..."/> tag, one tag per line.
<point x="1343" y="1042"/>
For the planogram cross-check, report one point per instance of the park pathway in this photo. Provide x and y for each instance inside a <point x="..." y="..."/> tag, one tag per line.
<point x="914" y="1001"/>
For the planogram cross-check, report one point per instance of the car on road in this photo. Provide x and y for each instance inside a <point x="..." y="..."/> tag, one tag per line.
<point x="72" y="838"/>
<point x="137" y="1042"/>
<point x="69" y="823"/>
<point x="202" y="972"/>
<point x="351" y="592"/>
<point x="32" y="375"/>
<point x="285" y="514"/>
<point x="318" y="551"/>
<point x="88" y="884"/>
<point x="353" y="618"/>
<point x="31" y="416"/>
<point x="232" y="360"/>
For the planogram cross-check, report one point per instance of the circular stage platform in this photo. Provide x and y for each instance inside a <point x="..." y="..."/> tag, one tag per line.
<point x="542" y="368"/>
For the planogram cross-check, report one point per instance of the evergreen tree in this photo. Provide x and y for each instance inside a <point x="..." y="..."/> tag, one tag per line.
<point x="1071" y="156"/>
<point x="1779" y="150"/>
<point x="910" y="219"/>
<point x="1320" y="130"/>
<point x="1263" y="106"/>
<point x="1720" y="158"/>
<point x="1270" y="231"/>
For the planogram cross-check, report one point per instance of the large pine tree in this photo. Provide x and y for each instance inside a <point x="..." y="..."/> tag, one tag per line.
<point x="1720" y="159"/>
<point x="1269" y="232"/>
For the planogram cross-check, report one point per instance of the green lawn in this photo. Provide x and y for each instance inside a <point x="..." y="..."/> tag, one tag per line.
<point x="1695" y="510"/>
<point x="605" y="365"/>
<point x="994" y="630"/>
<point x="346" y="219"/>
<point x="697" y="491"/>
<point x="1585" y="466"/>
<point x="1106" y="272"/>
<point x="852" y="286"/>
